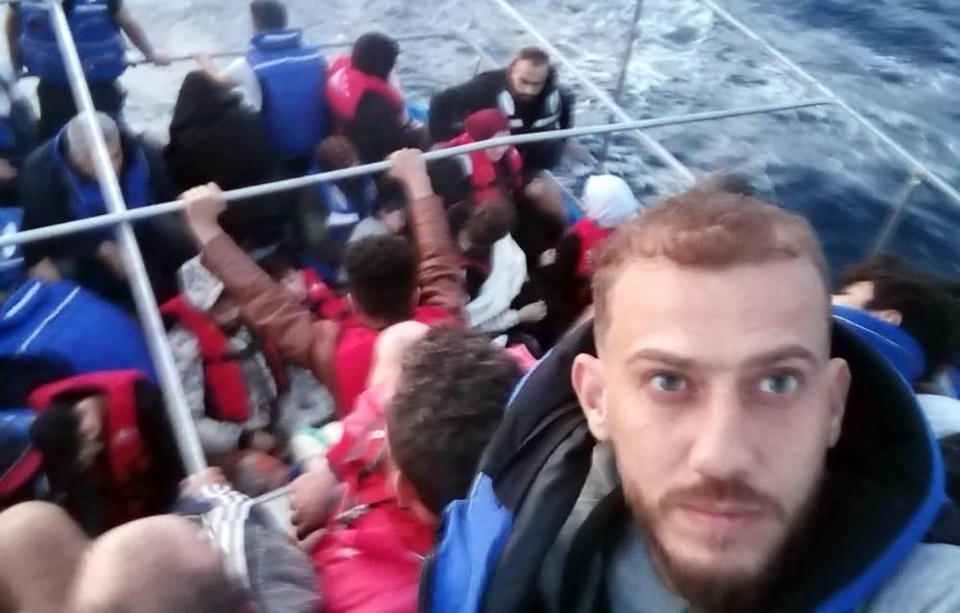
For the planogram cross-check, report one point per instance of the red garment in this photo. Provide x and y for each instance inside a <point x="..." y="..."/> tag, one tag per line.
<point x="346" y="86"/>
<point x="369" y="561"/>
<point x="126" y="454"/>
<point x="591" y="235"/>
<point x="354" y="353"/>
<point x="370" y="555"/>
<point x="488" y="178"/>
<point x="223" y="376"/>
<point x="323" y="301"/>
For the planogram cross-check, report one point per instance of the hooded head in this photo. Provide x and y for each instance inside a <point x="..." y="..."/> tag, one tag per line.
<point x="375" y="54"/>
<point x="608" y="200"/>
<point x="487" y="124"/>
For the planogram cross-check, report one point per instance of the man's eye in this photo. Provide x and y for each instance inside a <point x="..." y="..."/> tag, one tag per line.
<point x="668" y="383"/>
<point x="780" y="384"/>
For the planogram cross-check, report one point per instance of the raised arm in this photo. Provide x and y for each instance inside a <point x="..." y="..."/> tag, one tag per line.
<point x="139" y="38"/>
<point x="264" y="304"/>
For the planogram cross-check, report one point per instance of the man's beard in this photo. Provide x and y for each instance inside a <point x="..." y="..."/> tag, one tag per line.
<point x="707" y="589"/>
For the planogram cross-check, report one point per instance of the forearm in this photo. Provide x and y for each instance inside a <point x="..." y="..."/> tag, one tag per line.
<point x="136" y="35"/>
<point x="12" y="27"/>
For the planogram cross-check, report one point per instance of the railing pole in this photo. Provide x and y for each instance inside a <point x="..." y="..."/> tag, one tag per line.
<point x="656" y="148"/>
<point x="899" y="208"/>
<point x="622" y="77"/>
<point x="183" y="425"/>
<point x="915" y="164"/>
<point x="154" y="210"/>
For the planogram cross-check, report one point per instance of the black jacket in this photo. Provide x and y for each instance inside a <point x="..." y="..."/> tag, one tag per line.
<point x="551" y="110"/>
<point x="377" y="129"/>
<point x="214" y="138"/>
<point x="164" y="240"/>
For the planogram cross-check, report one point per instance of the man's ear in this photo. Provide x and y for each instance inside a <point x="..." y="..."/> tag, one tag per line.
<point x="590" y="386"/>
<point x="891" y="316"/>
<point x="838" y="372"/>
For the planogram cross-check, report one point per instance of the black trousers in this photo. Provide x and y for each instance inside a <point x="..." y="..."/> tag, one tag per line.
<point x="57" y="106"/>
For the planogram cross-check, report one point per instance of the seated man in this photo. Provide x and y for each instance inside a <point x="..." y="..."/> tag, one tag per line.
<point x="367" y="108"/>
<point x="60" y="184"/>
<point x="491" y="173"/>
<point x="218" y="554"/>
<point x="232" y="380"/>
<point x="282" y="78"/>
<point x="708" y="443"/>
<point x="528" y="95"/>
<point x="107" y="448"/>
<point x="439" y="412"/>
<point x="385" y="283"/>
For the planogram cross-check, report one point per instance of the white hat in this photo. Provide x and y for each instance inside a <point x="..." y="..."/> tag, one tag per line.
<point x="608" y="200"/>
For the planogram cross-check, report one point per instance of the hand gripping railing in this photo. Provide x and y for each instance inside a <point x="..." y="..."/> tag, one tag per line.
<point x="183" y="426"/>
<point x="124" y="216"/>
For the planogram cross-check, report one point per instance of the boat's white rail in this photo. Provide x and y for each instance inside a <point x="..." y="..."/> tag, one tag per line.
<point x="121" y="218"/>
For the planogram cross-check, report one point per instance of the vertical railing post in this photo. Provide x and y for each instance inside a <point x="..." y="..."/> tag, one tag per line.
<point x="895" y="217"/>
<point x="622" y="78"/>
<point x="183" y="426"/>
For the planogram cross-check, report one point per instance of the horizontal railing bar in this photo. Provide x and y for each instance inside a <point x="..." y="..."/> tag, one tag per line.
<point x="229" y="54"/>
<point x="109" y="219"/>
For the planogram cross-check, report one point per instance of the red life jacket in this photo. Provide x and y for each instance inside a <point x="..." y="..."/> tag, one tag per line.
<point x="489" y="179"/>
<point x="590" y="235"/>
<point x="346" y="86"/>
<point x="126" y="453"/>
<point x="224" y="381"/>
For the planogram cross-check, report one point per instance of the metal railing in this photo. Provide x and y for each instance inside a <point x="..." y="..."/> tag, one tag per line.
<point x="121" y="218"/>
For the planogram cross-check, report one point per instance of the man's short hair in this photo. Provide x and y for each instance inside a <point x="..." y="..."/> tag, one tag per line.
<point x="453" y="389"/>
<point x="336" y="153"/>
<point x="534" y="55"/>
<point x="382" y="276"/>
<point x="706" y="229"/>
<point x="490" y="221"/>
<point x="269" y="14"/>
<point x="79" y="141"/>
<point x="930" y="314"/>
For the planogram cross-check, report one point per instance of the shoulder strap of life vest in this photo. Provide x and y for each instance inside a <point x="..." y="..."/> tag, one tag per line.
<point x="223" y="376"/>
<point x="126" y="452"/>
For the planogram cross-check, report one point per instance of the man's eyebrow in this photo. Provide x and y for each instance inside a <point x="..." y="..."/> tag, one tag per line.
<point x="788" y="352"/>
<point x="664" y="357"/>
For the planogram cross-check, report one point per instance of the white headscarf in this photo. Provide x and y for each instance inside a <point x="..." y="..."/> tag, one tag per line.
<point x="608" y="200"/>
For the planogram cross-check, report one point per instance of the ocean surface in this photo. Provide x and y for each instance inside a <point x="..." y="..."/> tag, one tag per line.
<point x="897" y="62"/>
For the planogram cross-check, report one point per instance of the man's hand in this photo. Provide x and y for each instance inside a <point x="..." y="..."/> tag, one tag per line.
<point x="209" y="476"/>
<point x="204" y="205"/>
<point x="159" y="59"/>
<point x="109" y="254"/>
<point x="533" y="312"/>
<point x="410" y="168"/>
<point x="7" y="170"/>
<point x="312" y="498"/>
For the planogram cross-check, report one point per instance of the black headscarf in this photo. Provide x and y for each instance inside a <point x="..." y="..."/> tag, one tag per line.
<point x="375" y="54"/>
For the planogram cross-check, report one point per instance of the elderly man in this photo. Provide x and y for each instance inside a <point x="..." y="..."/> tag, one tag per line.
<point x="59" y="184"/>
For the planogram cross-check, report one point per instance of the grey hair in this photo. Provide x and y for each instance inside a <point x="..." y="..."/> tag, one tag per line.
<point x="79" y="141"/>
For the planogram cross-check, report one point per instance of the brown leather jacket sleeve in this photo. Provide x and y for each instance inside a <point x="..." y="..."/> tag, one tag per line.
<point x="271" y="311"/>
<point x="439" y="272"/>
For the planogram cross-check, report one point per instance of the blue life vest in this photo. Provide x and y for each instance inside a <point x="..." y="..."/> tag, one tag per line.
<point x="18" y="464"/>
<point x="97" y="36"/>
<point x="292" y="75"/>
<point x="67" y="321"/>
<point x="86" y="199"/>
<point x="897" y="347"/>
<point x="12" y="268"/>
<point x="343" y="214"/>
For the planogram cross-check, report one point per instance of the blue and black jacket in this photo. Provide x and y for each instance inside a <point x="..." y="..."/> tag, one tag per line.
<point x="882" y="493"/>
<point x="96" y="33"/>
<point x="292" y="76"/>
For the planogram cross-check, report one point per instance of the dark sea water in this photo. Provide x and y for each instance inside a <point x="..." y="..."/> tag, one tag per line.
<point x="897" y="62"/>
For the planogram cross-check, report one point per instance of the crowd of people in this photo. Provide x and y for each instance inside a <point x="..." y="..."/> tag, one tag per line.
<point x="476" y="398"/>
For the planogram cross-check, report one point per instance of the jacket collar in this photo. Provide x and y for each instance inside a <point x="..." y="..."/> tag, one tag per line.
<point x="886" y="459"/>
<point x="892" y="342"/>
